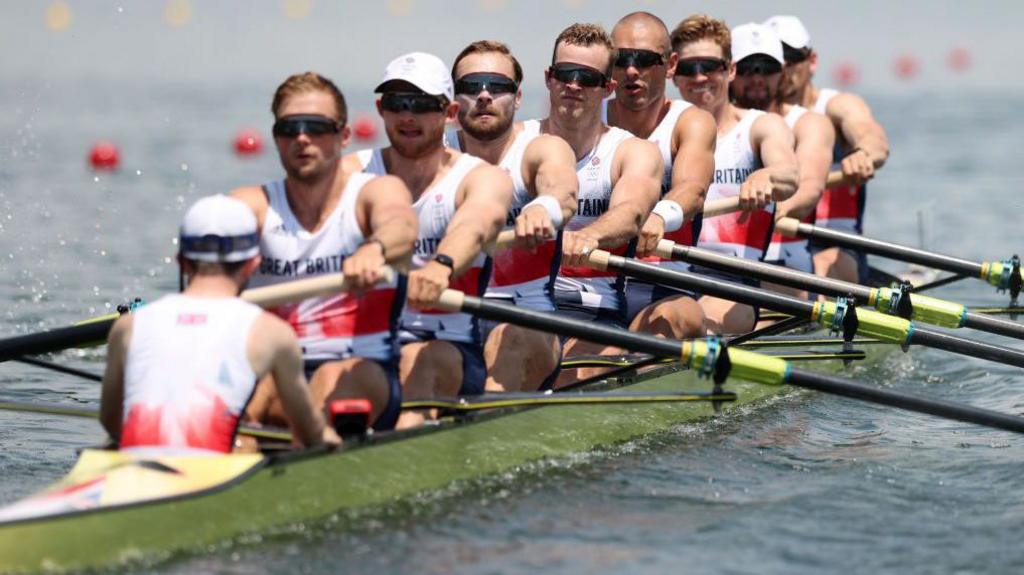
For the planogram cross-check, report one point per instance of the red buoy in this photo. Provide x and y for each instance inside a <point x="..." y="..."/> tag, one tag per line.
<point x="104" y="156"/>
<point x="845" y="75"/>
<point x="365" y="129"/>
<point x="248" y="142"/>
<point x="959" y="59"/>
<point x="906" y="67"/>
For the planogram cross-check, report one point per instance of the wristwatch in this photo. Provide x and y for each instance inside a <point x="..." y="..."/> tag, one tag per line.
<point x="444" y="260"/>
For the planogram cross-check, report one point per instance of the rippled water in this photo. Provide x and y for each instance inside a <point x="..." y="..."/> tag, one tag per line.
<point x="807" y="484"/>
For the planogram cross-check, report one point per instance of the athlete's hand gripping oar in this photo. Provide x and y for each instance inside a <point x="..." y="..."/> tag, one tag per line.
<point x="838" y="315"/>
<point x="507" y="238"/>
<point x="710" y="357"/>
<point x="891" y="301"/>
<point x="1004" y="275"/>
<point x="95" y="331"/>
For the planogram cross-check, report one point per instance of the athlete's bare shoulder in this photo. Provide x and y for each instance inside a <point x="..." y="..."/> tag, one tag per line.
<point x="387" y="185"/>
<point x="254" y="197"/>
<point x="847" y="105"/>
<point x="351" y="163"/>
<point x="694" y="122"/>
<point x="269" y="337"/>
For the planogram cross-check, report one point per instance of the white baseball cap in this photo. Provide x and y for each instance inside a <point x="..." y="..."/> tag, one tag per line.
<point x="219" y="229"/>
<point x="425" y="71"/>
<point x="790" y="30"/>
<point x="750" y="39"/>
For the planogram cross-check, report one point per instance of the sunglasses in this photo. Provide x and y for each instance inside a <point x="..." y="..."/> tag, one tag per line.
<point x="415" y="102"/>
<point x="638" y="58"/>
<point x="795" y="55"/>
<point x="758" y="66"/>
<point x="695" y="66"/>
<point x="309" y="124"/>
<point x="495" y="84"/>
<point x="583" y="76"/>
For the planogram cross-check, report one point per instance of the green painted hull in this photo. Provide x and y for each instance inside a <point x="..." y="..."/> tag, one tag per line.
<point x="296" y="488"/>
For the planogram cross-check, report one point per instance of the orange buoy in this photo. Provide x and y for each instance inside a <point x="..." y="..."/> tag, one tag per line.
<point x="959" y="59"/>
<point x="845" y="75"/>
<point x="906" y="67"/>
<point x="248" y="142"/>
<point x="104" y="156"/>
<point x="365" y="129"/>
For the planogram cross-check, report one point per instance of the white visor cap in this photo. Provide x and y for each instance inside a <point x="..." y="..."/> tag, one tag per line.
<point x="219" y="229"/>
<point x="425" y="71"/>
<point x="750" y="39"/>
<point x="790" y="30"/>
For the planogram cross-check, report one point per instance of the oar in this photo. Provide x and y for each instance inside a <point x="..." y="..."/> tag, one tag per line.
<point x="95" y="331"/>
<point x="836" y="315"/>
<point x="1004" y="275"/>
<point x="710" y="209"/>
<point x="709" y="357"/>
<point x="914" y="306"/>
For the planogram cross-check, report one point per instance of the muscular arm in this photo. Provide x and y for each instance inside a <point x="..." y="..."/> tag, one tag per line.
<point x="636" y="181"/>
<point x="815" y="138"/>
<point x="693" y="164"/>
<point x="772" y="140"/>
<point x="388" y="222"/>
<point x="858" y="127"/>
<point x="112" y="394"/>
<point x="549" y="169"/>
<point x="272" y="348"/>
<point x="481" y="205"/>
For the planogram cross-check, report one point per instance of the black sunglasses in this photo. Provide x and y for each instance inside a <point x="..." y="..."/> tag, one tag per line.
<point x="415" y="102"/>
<point x="584" y="76"/>
<point x="638" y="58"/>
<point x="795" y="55"/>
<point x="758" y="66"/>
<point x="310" y="124"/>
<point x="495" y="84"/>
<point x="694" y="66"/>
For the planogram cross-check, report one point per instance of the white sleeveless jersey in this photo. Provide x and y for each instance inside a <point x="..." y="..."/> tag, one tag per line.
<point x="791" y="252"/>
<point x="337" y="326"/>
<point x="187" y="378"/>
<point x="596" y="289"/>
<point x="841" y="207"/>
<point x="735" y="160"/>
<point x="520" y="275"/>
<point x="435" y="208"/>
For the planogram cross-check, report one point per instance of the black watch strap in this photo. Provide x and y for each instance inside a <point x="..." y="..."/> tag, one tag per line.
<point x="444" y="260"/>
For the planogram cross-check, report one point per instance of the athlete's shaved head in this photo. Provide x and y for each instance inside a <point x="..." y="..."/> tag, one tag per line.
<point x="647" y="22"/>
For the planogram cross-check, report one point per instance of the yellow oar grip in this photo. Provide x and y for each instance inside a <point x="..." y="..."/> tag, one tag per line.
<point x="745" y="365"/>
<point x="887" y="328"/>
<point x="929" y="310"/>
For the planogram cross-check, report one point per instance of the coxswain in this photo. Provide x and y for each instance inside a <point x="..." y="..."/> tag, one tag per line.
<point x="685" y="136"/>
<point x="754" y="158"/>
<point x="862" y="148"/>
<point x="321" y="220"/>
<point x="181" y="370"/>
<point x="757" y="88"/>
<point x="487" y="80"/>
<point x="461" y="202"/>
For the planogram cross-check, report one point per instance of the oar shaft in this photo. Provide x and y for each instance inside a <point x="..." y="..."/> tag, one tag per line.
<point x="878" y="247"/>
<point x="949" y="410"/>
<point x="57" y="339"/>
<point x="893" y="329"/>
<point x="991" y="324"/>
<point x="768" y="272"/>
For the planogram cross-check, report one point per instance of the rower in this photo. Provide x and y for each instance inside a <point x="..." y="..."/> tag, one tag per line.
<point x="543" y="169"/>
<point x="619" y="182"/>
<point x="461" y="202"/>
<point x="756" y="87"/>
<point x="685" y="136"/>
<point x="754" y="158"/>
<point x="322" y="220"/>
<point x="180" y="371"/>
<point x="861" y="149"/>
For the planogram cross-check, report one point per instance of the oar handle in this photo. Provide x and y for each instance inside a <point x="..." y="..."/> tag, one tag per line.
<point x="275" y="295"/>
<point x="835" y="178"/>
<point x="787" y="226"/>
<point x="507" y="238"/>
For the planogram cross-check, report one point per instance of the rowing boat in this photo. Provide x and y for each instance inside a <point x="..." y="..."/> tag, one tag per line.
<point x="114" y="508"/>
